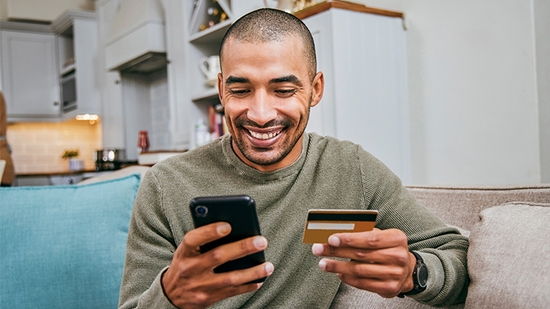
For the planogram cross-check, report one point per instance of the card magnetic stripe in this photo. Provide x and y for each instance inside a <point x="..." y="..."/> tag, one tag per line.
<point x="341" y="217"/>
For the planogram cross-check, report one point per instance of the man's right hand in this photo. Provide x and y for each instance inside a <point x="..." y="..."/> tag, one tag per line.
<point x="190" y="281"/>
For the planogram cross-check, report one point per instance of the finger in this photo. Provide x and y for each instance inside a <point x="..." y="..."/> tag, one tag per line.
<point x="201" y="236"/>
<point x="395" y="255"/>
<point x="244" y="276"/>
<point x="375" y="239"/>
<point x="235" y="250"/>
<point x="362" y="270"/>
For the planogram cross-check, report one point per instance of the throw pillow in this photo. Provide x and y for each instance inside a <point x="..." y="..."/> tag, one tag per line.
<point x="508" y="257"/>
<point x="64" y="246"/>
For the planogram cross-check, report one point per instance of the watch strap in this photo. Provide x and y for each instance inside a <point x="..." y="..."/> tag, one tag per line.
<point x="417" y="286"/>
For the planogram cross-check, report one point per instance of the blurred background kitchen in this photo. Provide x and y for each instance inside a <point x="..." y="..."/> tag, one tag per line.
<point x="468" y="103"/>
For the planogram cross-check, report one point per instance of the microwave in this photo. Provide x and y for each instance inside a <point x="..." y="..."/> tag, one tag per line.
<point x="68" y="92"/>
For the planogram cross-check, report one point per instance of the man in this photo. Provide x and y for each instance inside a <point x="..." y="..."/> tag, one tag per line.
<point x="267" y="85"/>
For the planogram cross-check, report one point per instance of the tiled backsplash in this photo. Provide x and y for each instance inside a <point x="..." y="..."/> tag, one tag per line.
<point x="38" y="147"/>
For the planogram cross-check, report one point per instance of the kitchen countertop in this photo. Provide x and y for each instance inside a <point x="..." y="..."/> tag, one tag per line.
<point x="55" y="177"/>
<point x="84" y="173"/>
<point x="55" y="173"/>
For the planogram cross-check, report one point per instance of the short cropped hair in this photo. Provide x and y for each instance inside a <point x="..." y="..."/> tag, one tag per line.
<point x="268" y="25"/>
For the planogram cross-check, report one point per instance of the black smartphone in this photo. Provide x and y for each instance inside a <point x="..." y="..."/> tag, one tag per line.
<point x="240" y="212"/>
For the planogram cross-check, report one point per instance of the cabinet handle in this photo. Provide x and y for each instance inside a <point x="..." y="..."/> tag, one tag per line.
<point x="55" y="103"/>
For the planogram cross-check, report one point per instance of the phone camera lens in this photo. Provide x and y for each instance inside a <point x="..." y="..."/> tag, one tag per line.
<point x="201" y="211"/>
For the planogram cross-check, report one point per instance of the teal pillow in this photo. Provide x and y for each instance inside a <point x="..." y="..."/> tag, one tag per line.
<point x="64" y="246"/>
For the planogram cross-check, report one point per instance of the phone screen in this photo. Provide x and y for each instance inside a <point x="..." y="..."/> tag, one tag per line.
<point x="240" y="212"/>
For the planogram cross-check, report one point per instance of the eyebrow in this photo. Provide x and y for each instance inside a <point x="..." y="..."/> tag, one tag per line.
<point x="287" y="79"/>
<point x="236" y="80"/>
<point x="284" y="79"/>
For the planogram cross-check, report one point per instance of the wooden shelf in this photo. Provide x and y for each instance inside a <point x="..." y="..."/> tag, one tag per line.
<point x="339" y="4"/>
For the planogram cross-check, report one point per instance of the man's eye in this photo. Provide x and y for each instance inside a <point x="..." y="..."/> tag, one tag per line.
<point x="285" y="92"/>
<point x="239" y="91"/>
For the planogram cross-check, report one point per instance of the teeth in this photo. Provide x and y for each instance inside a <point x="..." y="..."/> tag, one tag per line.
<point x="264" y="136"/>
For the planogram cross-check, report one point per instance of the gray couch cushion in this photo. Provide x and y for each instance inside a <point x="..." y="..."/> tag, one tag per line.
<point x="508" y="257"/>
<point x="460" y="206"/>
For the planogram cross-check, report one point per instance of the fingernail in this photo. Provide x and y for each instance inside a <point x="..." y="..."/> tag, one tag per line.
<point x="334" y="241"/>
<point x="224" y="228"/>
<point x="269" y="268"/>
<point x="317" y="249"/>
<point x="260" y="242"/>
<point x="323" y="264"/>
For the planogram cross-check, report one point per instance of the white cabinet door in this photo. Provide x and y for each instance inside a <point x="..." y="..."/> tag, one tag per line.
<point x="30" y="75"/>
<point x="363" y="57"/>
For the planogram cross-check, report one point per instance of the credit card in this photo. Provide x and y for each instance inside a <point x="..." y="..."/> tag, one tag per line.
<point x="321" y="223"/>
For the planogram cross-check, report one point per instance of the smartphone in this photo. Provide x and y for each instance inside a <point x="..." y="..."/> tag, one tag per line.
<point x="240" y="212"/>
<point x="321" y="223"/>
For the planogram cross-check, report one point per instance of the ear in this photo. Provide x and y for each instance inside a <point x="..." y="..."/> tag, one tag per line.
<point x="220" y="85"/>
<point x="318" y="88"/>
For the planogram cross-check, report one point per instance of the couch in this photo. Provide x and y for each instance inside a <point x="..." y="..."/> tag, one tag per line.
<point x="63" y="246"/>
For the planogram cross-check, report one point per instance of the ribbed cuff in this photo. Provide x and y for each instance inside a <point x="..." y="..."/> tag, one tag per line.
<point x="436" y="277"/>
<point x="154" y="297"/>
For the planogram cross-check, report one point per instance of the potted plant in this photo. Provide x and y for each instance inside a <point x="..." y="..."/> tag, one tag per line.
<point x="75" y="164"/>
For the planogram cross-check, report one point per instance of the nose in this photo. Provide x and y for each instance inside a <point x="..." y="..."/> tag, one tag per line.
<point x="262" y="108"/>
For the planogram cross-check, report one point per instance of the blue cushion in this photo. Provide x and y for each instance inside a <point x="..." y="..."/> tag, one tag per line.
<point x="64" y="246"/>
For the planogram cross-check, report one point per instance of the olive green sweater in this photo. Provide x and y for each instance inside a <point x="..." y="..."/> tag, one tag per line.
<point x="329" y="174"/>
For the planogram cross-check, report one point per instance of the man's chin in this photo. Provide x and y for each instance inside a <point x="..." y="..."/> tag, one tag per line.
<point x="263" y="159"/>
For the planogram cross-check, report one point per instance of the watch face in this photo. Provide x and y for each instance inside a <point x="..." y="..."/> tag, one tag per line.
<point x="422" y="274"/>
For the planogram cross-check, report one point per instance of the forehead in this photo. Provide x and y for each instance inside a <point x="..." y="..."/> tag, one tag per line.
<point x="291" y="43"/>
<point x="287" y="51"/>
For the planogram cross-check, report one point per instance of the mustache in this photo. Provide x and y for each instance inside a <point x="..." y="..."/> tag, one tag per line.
<point x="243" y="121"/>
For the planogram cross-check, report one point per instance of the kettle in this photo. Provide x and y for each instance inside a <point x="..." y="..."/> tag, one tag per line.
<point x="284" y="5"/>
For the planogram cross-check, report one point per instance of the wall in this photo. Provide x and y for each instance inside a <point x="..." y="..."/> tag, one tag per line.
<point x="473" y="90"/>
<point x="37" y="147"/>
<point x="542" y="36"/>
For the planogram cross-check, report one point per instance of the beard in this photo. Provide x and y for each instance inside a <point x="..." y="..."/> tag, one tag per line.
<point x="290" y="134"/>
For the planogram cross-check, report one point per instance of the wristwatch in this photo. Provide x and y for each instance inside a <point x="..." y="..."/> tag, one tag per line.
<point x="419" y="276"/>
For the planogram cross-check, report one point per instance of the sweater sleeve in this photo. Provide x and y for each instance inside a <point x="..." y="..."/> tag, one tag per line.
<point x="149" y="250"/>
<point x="442" y="248"/>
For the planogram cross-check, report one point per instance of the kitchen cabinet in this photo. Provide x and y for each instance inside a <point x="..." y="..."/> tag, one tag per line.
<point x="362" y="53"/>
<point x="78" y="47"/>
<point x="30" y="74"/>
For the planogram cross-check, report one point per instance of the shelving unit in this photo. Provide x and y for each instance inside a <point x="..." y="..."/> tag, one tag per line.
<point x="192" y="38"/>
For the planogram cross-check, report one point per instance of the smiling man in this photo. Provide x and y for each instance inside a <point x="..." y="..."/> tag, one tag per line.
<point x="267" y="90"/>
<point x="267" y="85"/>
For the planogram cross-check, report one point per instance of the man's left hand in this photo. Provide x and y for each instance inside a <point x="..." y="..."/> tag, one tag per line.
<point x="380" y="260"/>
